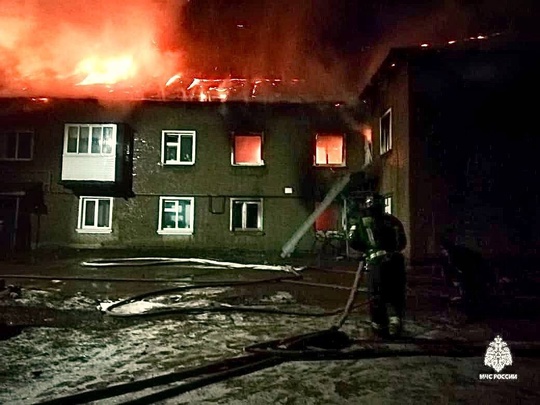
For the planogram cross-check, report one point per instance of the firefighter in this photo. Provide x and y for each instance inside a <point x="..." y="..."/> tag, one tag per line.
<point x="381" y="238"/>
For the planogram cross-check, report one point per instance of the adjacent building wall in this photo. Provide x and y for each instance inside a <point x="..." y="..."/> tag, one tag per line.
<point x="393" y="167"/>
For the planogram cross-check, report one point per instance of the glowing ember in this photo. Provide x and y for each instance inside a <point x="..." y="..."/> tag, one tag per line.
<point x="173" y="79"/>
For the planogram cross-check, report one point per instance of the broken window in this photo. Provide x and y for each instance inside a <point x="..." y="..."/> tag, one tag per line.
<point x="386" y="131"/>
<point x="247" y="149"/>
<point x="176" y="215"/>
<point x="95" y="214"/>
<point x="16" y="145"/>
<point x="388" y="204"/>
<point x="178" y="147"/>
<point x="93" y="139"/>
<point x="246" y="215"/>
<point x="330" y="150"/>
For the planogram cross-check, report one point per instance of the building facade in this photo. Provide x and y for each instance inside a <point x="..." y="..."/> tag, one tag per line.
<point x="234" y="175"/>
<point x="453" y="150"/>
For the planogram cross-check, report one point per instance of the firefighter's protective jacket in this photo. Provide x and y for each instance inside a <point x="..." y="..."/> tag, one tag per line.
<point x="378" y="235"/>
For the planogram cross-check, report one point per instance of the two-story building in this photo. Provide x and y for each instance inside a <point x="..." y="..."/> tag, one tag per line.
<point x="231" y="175"/>
<point x="455" y="146"/>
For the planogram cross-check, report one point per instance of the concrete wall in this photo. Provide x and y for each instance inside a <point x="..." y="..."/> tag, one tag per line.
<point x="289" y="132"/>
<point x="393" y="166"/>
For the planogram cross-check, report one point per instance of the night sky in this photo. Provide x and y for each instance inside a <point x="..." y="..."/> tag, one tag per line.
<point x="344" y="39"/>
<point x="333" y="45"/>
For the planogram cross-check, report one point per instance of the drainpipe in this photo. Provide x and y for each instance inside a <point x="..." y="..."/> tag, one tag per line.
<point x="289" y="247"/>
<point x="16" y="224"/>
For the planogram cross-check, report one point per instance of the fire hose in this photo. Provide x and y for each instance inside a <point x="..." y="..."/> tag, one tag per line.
<point x="329" y="344"/>
<point x="233" y="367"/>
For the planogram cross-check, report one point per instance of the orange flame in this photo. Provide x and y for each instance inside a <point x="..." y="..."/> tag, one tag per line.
<point x="48" y="46"/>
<point x="107" y="71"/>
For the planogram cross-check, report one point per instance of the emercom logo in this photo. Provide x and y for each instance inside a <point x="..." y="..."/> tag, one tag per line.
<point x="497" y="357"/>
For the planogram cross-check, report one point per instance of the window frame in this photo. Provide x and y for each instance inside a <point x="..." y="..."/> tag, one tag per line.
<point x="90" y="126"/>
<point x="388" y="198"/>
<point x="81" y="227"/>
<point x="176" y="231"/>
<point x="343" y="151"/>
<point x="245" y="201"/>
<point x="387" y="145"/>
<point x="233" y="146"/>
<point x="180" y="134"/>
<point x="17" y="133"/>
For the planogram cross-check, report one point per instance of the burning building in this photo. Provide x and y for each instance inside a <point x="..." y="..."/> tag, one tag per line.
<point x="112" y="136"/>
<point x="162" y="173"/>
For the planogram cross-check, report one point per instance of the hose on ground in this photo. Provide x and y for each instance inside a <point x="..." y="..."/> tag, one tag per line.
<point x="160" y="261"/>
<point x="220" y="307"/>
<point x="268" y="354"/>
<point x="201" y="376"/>
<point x="256" y="361"/>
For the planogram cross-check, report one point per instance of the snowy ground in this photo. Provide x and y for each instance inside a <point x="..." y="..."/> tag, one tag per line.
<point x="43" y="363"/>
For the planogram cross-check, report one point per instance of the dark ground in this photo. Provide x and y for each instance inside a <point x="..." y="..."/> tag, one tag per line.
<point x="57" y="334"/>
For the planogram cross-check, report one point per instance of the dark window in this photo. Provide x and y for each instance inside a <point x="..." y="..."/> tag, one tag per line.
<point x="246" y="215"/>
<point x="178" y="147"/>
<point x="95" y="214"/>
<point x="16" y="145"/>
<point x="386" y="132"/>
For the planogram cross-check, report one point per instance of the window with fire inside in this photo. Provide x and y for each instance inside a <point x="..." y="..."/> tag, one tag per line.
<point x="247" y="149"/>
<point x="330" y="150"/>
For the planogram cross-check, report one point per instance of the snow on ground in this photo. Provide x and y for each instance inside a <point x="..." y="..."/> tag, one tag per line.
<point x="46" y="363"/>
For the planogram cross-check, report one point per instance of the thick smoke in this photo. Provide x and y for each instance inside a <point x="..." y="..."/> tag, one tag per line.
<point x="62" y="47"/>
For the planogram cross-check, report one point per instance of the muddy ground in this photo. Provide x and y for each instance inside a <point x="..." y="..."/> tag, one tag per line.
<point x="60" y="344"/>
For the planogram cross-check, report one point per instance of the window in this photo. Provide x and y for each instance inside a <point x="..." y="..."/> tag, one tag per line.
<point x="330" y="150"/>
<point x="95" y="215"/>
<point x="16" y="145"/>
<point x="247" y="150"/>
<point x="386" y="131"/>
<point x="246" y="214"/>
<point x="178" y="148"/>
<point x="388" y="204"/>
<point x="90" y="139"/>
<point x="176" y="215"/>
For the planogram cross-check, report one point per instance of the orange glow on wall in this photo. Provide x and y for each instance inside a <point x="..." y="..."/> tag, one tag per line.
<point x="329" y="149"/>
<point x="367" y="132"/>
<point x="248" y="149"/>
<point x="329" y="220"/>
